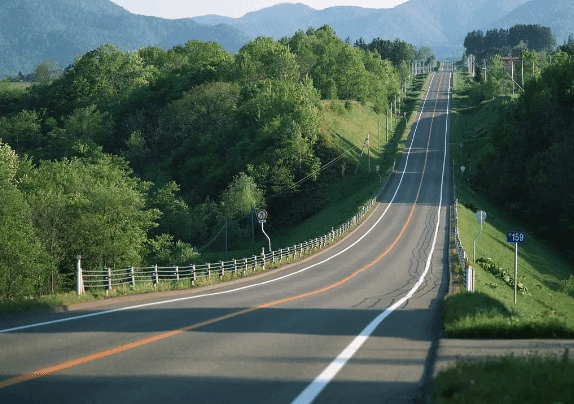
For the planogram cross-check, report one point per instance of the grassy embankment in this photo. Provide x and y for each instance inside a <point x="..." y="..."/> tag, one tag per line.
<point x="545" y="302"/>
<point x="346" y="125"/>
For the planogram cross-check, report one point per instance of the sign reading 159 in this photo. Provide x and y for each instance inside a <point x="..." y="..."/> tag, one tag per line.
<point x="515" y="237"/>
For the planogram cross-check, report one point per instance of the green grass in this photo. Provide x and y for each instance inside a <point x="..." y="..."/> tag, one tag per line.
<point x="531" y="379"/>
<point x="545" y="303"/>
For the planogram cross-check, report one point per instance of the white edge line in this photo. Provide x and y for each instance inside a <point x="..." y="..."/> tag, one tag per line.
<point x="311" y="392"/>
<point x="139" y="306"/>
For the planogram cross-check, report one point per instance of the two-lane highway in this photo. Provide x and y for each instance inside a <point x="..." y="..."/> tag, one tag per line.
<point x="355" y="324"/>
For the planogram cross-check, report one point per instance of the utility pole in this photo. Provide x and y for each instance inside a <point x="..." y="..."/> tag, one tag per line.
<point x="379" y="135"/>
<point x="522" y="73"/>
<point x="252" y="225"/>
<point x="512" y="75"/>
<point x="387" y="127"/>
<point x="391" y="118"/>
<point x="369" y="149"/>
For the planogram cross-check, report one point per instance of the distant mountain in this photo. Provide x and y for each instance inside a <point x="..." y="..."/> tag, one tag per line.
<point x="34" y="30"/>
<point x="556" y="14"/>
<point x="441" y="24"/>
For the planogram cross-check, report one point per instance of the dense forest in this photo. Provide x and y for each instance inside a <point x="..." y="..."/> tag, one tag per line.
<point x="509" y="42"/>
<point x="528" y="165"/>
<point x="138" y="157"/>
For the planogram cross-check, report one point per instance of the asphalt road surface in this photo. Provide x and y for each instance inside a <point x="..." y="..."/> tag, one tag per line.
<point x="357" y="323"/>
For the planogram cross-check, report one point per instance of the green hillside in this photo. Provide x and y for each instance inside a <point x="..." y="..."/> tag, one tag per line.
<point x="135" y="157"/>
<point x="545" y="284"/>
<point x="60" y="30"/>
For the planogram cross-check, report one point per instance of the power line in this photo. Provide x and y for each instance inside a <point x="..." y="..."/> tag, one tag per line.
<point x="323" y="167"/>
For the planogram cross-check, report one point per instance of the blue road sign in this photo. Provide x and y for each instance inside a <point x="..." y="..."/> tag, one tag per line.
<point x="517" y="237"/>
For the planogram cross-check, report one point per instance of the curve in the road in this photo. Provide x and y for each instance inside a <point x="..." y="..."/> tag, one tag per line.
<point x="323" y="379"/>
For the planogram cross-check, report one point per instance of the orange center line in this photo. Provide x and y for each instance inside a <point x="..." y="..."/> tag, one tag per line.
<point x="50" y="370"/>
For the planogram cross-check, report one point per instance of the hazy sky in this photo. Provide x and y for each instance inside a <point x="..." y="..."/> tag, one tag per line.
<point x="233" y="8"/>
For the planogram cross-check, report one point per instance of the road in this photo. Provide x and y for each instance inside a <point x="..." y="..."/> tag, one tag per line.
<point x="358" y="323"/>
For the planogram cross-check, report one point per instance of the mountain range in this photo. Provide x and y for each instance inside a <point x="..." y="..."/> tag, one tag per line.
<point x="33" y="30"/>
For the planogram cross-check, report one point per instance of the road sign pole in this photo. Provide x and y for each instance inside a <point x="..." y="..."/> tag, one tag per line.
<point x="266" y="235"/>
<point x="480" y="218"/>
<point x="515" y="269"/>
<point x="262" y="217"/>
<point x="515" y="237"/>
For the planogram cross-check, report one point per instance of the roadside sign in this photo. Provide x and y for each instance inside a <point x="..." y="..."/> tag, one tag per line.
<point x="517" y="237"/>
<point x="480" y="216"/>
<point x="261" y="215"/>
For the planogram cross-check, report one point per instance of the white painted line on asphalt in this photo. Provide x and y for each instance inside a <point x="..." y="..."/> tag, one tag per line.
<point x="310" y="393"/>
<point x="139" y="306"/>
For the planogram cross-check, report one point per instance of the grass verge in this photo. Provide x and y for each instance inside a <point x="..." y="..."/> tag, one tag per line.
<point x="531" y="379"/>
<point x="544" y="301"/>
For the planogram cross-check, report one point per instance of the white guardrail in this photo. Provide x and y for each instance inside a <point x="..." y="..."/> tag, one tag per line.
<point x="108" y="278"/>
<point x="468" y="270"/>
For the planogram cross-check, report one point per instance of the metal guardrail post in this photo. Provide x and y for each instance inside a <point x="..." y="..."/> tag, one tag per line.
<point x="79" y="277"/>
<point x="109" y="278"/>
<point x="132" y="273"/>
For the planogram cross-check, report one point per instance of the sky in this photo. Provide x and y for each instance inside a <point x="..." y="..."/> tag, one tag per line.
<point x="233" y="8"/>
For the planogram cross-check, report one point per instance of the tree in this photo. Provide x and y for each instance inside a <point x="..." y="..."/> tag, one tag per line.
<point x="283" y="129"/>
<point x="474" y="42"/>
<point x="531" y="64"/>
<point x="264" y="58"/>
<point x="163" y="250"/>
<point x="22" y="130"/>
<point x="24" y="266"/>
<point x="175" y="217"/>
<point x="90" y="206"/>
<point x="530" y="167"/>
<point x="424" y="54"/>
<point x="495" y="78"/>
<point x="103" y="77"/>
<point x="502" y="41"/>
<point x="47" y="71"/>
<point x="395" y="51"/>
<point x="241" y="196"/>
<point x="89" y="125"/>
<point x="198" y="132"/>
<point x="568" y="46"/>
